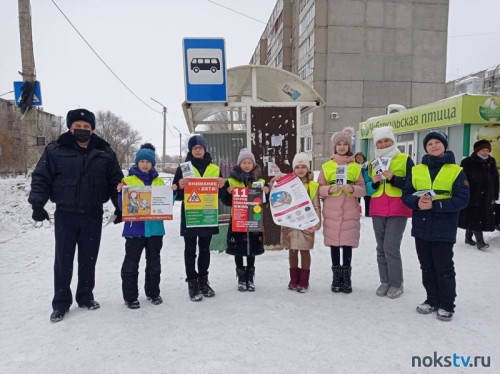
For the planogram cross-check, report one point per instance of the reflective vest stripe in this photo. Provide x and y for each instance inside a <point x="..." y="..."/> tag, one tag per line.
<point x="442" y="184"/>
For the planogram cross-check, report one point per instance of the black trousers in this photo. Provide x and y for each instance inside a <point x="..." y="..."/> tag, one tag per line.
<point x="438" y="272"/>
<point x="346" y="255"/>
<point x="72" y="229"/>
<point x="190" y="243"/>
<point x="238" y="260"/>
<point x="130" y="267"/>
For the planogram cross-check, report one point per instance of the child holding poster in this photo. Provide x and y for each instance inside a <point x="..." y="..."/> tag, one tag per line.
<point x="201" y="167"/>
<point x="302" y="241"/>
<point x="341" y="183"/>
<point x="141" y="235"/>
<point x="246" y="173"/>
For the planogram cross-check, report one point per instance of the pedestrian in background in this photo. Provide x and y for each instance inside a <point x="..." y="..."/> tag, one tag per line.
<point x="78" y="172"/>
<point x="360" y="159"/>
<point x="482" y="174"/>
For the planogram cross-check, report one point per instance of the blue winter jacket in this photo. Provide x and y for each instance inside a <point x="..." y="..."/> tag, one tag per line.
<point x="142" y="228"/>
<point x="439" y="223"/>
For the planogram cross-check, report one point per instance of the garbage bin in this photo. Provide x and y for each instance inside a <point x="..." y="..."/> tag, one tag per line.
<point x="218" y="243"/>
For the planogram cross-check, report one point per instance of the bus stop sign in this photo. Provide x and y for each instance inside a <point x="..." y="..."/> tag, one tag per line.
<point x="205" y="70"/>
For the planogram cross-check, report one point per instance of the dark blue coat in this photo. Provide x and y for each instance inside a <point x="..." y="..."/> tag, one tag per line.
<point x="76" y="179"/>
<point x="439" y="223"/>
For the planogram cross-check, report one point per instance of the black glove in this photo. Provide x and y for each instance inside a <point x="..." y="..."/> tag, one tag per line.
<point x="118" y="214"/>
<point x="40" y="214"/>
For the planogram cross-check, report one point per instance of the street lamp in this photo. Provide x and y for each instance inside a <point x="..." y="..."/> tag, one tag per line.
<point x="164" y="128"/>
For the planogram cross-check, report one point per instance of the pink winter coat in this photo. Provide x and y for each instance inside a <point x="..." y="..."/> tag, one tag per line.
<point x="341" y="218"/>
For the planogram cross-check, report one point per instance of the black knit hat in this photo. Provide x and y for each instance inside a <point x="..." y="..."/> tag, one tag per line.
<point x="80" y="115"/>
<point x="481" y="144"/>
<point x="197" y="140"/>
<point x="435" y="134"/>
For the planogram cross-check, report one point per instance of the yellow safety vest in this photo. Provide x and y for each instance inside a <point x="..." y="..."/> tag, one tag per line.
<point x="330" y="173"/>
<point x="134" y="180"/>
<point x="236" y="183"/>
<point x="442" y="184"/>
<point x="212" y="171"/>
<point x="312" y="188"/>
<point x="398" y="168"/>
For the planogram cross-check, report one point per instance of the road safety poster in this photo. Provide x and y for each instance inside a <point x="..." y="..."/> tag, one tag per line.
<point x="291" y="205"/>
<point x="201" y="202"/>
<point x="147" y="203"/>
<point x="246" y="210"/>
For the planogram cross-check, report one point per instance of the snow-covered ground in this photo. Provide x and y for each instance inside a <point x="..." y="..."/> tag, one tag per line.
<point x="273" y="330"/>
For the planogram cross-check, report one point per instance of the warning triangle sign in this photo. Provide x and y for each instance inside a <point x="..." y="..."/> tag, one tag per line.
<point x="194" y="198"/>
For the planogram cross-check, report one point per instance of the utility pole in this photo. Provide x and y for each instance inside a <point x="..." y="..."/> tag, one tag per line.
<point x="28" y="66"/>
<point x="164" y="129"/>
<point x="180" y="144"/>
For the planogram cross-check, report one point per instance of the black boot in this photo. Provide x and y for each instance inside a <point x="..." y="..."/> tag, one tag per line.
<point x="250" y="276"/>
<point x="480" y="240"/>
<point x="346" y="279"/>
<point x="337" y="279"/>
<point x="468" y="238"/>
<point x="194" y="290"/>
<point x="58" y="315"/>
<point x="242" y="279"/>
<point x="205" y="288"/>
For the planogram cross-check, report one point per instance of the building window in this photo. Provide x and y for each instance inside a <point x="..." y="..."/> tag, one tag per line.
<point x="308" y="17"/>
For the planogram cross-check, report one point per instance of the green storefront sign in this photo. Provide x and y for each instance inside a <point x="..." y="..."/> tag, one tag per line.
<point x="448" y="112"/>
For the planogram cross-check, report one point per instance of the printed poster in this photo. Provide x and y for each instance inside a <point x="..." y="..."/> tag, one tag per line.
<point x="201" y="202"/>
<point x="291" y="205"/>
<point x="147" y="203"/>
<point x="246" y="210"/>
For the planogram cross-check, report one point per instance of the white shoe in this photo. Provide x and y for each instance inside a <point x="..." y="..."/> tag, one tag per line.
<point x="444" y="315"/>
<point x="425" y="308"/>
<point x="395" y="292"/>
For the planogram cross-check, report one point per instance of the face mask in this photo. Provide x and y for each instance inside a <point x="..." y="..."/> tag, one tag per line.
<point x="81" y="136"/>
<point x="483" y="158"/>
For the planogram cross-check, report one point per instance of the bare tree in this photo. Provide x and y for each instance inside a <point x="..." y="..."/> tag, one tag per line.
<point x="118" y="133"/>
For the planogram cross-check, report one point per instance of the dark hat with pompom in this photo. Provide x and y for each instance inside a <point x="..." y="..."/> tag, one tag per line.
<point x="147" y="152"/>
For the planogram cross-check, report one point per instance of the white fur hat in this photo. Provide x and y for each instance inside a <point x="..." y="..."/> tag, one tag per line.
<point x="300" y="159"/>
<point x="383" y="133"/>
<point x="245" y="153"/>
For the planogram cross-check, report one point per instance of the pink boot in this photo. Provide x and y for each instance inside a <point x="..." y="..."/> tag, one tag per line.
<point x="294" y="278"/>
<point x="303" y="285"/>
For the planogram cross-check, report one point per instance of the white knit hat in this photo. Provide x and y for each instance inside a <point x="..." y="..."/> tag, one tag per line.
<point x="300" y="159"/>
<point x="383" y="133"/>
<point x="245" y="153"/>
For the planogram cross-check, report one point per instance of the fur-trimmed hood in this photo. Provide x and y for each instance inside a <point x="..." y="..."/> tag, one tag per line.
<point x="241" y="176"/>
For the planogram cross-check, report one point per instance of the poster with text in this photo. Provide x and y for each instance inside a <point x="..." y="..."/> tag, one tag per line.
<point x="291" y="205"/>
<point x="201" y="202"/>
<point x="147" y="203"/>
<point x="246" y="210"/>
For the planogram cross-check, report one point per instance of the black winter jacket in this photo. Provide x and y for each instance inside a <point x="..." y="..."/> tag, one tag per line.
<point x="242" y="243"/>
<point x="201" y="165"/>
<point x="483" y="182"/>
<point x="439" y="223"/>
<point x="76" y="179"/>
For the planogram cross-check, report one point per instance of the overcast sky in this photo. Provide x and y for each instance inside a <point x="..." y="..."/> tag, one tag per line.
<point x="142" y="42"/>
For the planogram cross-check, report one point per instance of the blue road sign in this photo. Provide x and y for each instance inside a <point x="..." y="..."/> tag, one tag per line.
<point x="37" y="98"/>
<point x="205" y="70"/>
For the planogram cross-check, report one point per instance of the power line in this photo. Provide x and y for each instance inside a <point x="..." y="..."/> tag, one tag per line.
<point x="235" y="11"/>
<point x="99" y="57"/>
<point x="465" y="35"/>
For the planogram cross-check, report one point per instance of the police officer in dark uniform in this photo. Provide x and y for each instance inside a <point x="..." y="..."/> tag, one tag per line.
<point x="79" y="172"/>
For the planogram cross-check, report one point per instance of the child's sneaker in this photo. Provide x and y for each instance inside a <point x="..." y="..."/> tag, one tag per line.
<point x="444" y="315"/>
<point x="155" y="300"/>
<point x="395" y="292"/>
<point x="382" y="289"/>
<point x="133" y="304"/>
<point x="426" y="308"/>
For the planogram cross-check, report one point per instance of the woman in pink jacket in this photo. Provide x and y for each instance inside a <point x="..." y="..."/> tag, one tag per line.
<point x="341" y="184"/>
<point x="389" y="214"/>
